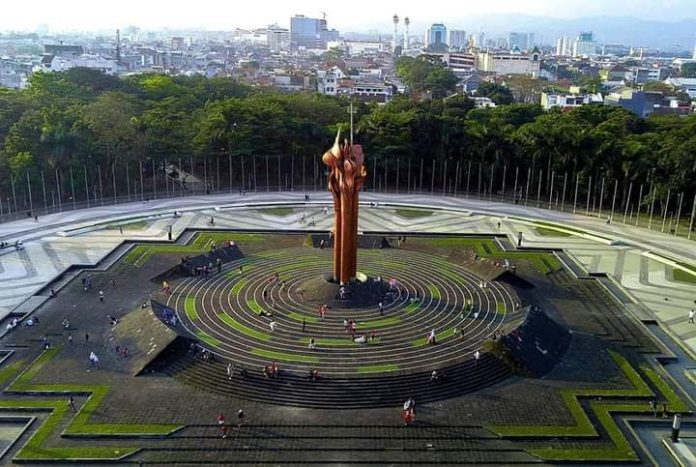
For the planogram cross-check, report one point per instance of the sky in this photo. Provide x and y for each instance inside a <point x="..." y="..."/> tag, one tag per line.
<point x="355" y="15"/>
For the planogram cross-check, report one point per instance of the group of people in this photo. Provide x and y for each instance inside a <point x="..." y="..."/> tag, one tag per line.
<point x="409" y="413"/>
<point x="271" y="370"/>
<point x="322" y="310"/>
<point x="17" y="244"/>
<point x="224" y="427"/>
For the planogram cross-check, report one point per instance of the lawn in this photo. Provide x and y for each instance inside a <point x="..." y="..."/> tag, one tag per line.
<point x="79" y="426"/>
<point x="684" y="276"/>
<point x="413" y="213"/>
<point x="279" y="212"/>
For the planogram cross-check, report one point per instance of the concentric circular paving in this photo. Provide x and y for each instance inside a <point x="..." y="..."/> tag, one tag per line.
<point x="231" y="313"/>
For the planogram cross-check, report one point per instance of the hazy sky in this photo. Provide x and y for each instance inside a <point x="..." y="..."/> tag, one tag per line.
<point x="354" y="15"/>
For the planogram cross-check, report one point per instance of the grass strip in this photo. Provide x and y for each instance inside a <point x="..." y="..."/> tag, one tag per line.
<point x="500" y="308"/>
<point x="254" y="306"/>
<point x="9" y="371"/>
<point x="238" y="287"/>
<point x="380" y="323"/>
<point x="236" y="325"/>
<point x="434" y="292"/>
<point x="285" y="357"/>
<point x="190" y="308"/>
<point x="412" y="308"/>
<point x="300" y="317"/>
<point x="384" y="368"/>
<point x="347" y="342"/>
<point x="208" y="339"/>
<point x="34" y="449"/>
<point x="674" y="402"/>
<point x="440" y="336"/>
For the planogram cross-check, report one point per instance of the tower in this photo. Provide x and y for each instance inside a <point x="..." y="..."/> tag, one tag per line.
<point x="395" y="40"/>
<point x="407" y="23"/>
<point x="118" y="46"/>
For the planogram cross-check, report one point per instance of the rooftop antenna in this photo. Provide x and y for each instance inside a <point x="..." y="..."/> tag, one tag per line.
<point x="351" y="111"/>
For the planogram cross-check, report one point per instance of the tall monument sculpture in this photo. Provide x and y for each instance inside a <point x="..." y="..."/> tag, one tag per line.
<point x="347" y="176"/>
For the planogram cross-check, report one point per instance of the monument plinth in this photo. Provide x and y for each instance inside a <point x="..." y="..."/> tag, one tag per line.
<point x="347" y="176"/>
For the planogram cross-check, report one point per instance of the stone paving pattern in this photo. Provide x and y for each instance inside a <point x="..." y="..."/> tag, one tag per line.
<point x="49" y="250"/>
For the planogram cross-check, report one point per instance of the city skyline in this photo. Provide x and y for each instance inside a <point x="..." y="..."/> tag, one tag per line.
<point x="211" y="15"/>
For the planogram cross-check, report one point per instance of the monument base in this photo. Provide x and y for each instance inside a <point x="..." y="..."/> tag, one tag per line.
<point x="359" y="293"/>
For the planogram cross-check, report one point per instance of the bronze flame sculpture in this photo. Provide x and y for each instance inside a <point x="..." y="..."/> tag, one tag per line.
<point x="345" y="161"/>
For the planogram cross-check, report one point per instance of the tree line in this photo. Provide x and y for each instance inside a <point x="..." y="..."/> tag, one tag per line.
<point x="82" y="118"/>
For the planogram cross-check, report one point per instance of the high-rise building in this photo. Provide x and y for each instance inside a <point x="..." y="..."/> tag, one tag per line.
<point x="407" y="23"/>
<point x="310" y="33"/>
<point x="278" y="39"/>
<point x="694" y="57"/>
<point x="562" y="47"/>
<point x="436" y="36"/>
<point x="457" y="39"/>
<point x="521" y="40"/>
<point x="584" y="45"/>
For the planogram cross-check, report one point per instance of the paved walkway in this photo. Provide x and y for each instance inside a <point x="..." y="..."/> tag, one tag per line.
<point x="625" y="252"/>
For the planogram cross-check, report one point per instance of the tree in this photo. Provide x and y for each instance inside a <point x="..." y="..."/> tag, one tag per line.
<point x="688" y="70"/>
<point x="498" y="93"/>
<point x="426" y="74"/>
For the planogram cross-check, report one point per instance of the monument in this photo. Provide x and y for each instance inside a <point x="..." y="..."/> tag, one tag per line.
<point x="347" y="176"/>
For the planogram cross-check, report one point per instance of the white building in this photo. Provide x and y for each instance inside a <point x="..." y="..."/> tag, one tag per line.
<point x="277" y="38"/>
<point x="483" y="102"/>
<point x="563" y="47"/>
<point x="687" y="85"/>
<point x="568" y="101"/>
<point x="461" y="63"/>
<point x="584" y="45"/>
<point x="509" y="64"/>
<point x="93" y="62"/>
<point x="328" y="81"/>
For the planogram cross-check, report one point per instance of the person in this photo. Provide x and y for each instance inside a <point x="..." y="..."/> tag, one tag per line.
<point x="408" y="417"/>
<point x="476" y="314"/>
<point x="240" y="417"/>
<point x="51" y="292"/>
<point x="304" y="325"/>
<point x="311" y="345"/>
<point x="86" y="338"/>
<point x="221" y="424"/>
<point x="360" y="340"/>
<point x="477" y="355"/>
<point x="381" y="308"/>
<point x="326" y="210"/>
<point x="313" y="375"/>
<point x="306" y="198"/>
<point x="272" y="325"/>
<point x="691" y="316"/>
<point x="274" y="369"/>
<point x="218" y="262"/>
<point x="267" y="372"/>
<point x="71" y="404"/>
<point x="241" y="269"/>
<point x="431" y="337"/>
<point x="70" y="339"/>
<point x="101" y="296"/>
<point x="93" y="360"/>
<point x="230" y="371"/>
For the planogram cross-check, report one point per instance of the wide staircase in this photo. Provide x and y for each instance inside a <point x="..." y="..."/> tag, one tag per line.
<point x="384" y="390"/>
